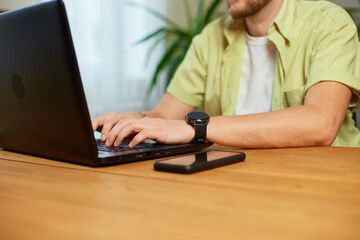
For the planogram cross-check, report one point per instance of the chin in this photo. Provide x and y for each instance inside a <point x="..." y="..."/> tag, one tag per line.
<point x="236" y="8"/>
<point x="245" y="8"/>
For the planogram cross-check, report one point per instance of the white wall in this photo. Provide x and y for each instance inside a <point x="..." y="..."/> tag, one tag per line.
<point x="14" y="4"/>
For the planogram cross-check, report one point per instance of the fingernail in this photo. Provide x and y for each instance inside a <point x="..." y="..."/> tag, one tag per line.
<point x="103" y="137"/>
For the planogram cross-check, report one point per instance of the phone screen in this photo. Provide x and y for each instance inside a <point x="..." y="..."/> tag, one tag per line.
<point x="199" y="157"/>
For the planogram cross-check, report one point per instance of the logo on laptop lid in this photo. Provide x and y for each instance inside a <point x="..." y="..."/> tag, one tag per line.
<point x="18" y="86"/>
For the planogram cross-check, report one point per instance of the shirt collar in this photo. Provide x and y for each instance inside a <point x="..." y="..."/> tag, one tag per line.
<point x="284" y="20"/>
<point x="282" y="23"/>
<point x="233" y="28"/>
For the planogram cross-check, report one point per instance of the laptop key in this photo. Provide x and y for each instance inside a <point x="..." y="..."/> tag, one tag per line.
<point x="123" y="147"/>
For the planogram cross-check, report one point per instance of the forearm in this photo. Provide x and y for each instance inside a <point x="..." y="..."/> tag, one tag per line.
<point x="315" y="123"/>
<point x="170" y="108"/>
<point x="292" y="127"/>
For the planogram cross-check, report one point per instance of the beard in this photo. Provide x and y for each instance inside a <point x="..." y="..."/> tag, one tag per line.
<point x="239" y="9"/>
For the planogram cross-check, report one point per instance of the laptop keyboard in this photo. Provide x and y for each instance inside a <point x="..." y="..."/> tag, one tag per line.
<point x="123" y="147"/>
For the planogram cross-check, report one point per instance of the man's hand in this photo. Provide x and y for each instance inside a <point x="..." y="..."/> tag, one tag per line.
<point x="159" y="130"/>
<point x="107" y="121"/>
<point x="125" y="124"/>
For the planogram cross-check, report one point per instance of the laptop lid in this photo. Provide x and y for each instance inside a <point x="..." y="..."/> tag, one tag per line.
<point x="43" y="110"/>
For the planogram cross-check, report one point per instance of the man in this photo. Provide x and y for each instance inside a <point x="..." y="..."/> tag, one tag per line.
<point x="278" y="73"/>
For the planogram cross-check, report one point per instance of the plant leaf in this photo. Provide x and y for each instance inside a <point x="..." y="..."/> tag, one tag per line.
<point x="210" y="11"/>
<point x="160" y="16"/>
<point x="163" y="62"/>
<point x="151" y="35"/>
<point x="188" y="14"/>
<point x="179" y="39"/>
<point x="174" y="64"/>
<point x="152" y="48"/>
<point x="165" y="31"/>
<point x="199" y="15"/>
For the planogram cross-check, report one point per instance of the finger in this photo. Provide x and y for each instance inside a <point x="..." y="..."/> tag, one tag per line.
<point x="112" y="135"/>
<point x="96" y="123"/>
<point x="128" y="130"/>
<point x="117" y="133"/>
<point x="107" y="127"/>
<point x="141" y="136"/>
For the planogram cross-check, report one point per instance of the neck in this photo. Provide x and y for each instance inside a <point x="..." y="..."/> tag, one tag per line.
<point x="258" y="24"/>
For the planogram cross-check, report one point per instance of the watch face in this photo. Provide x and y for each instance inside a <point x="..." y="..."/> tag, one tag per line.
<point x="200" y="121"/>
<point x="198" y="117"/>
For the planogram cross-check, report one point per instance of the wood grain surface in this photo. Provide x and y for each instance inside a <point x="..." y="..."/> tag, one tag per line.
<point x="296" y="193"/>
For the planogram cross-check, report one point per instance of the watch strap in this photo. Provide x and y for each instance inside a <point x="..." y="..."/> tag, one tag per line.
<point x="199" y="121"/>
<point x="200" y="133"/>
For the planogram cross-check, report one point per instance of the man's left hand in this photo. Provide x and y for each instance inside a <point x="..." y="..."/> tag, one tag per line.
<point x="159" y="130"/>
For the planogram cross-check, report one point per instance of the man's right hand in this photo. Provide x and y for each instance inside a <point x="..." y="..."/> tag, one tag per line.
<point x="106" y="122"/>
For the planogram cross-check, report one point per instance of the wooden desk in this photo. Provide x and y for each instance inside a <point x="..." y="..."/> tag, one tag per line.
<point x="300" y="193"/>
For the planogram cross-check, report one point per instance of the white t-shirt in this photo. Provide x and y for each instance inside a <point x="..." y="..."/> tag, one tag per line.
<point x="256" y="82"/>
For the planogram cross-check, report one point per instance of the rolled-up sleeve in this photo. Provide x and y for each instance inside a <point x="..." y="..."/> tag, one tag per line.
<point x="334" y="55"/>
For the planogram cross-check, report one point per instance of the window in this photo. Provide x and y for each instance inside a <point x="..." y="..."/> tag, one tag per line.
<point x="111" y="65"/>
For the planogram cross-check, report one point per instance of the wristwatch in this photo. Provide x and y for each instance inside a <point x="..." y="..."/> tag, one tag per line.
<point x="199" y="121"/>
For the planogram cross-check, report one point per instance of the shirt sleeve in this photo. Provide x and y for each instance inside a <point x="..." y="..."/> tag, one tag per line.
<point x="188" y="83"/>
<point x="334" y="53"/>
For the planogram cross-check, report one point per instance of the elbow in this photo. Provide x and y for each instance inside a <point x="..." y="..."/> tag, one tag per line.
<point x="326" y="135"/>
<point x="326" y="140"/>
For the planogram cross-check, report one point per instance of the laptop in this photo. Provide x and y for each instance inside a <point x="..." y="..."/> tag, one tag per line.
<point x="43" y="110"/>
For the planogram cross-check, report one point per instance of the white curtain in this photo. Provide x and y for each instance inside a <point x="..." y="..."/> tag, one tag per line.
<point x="112" y="68"/>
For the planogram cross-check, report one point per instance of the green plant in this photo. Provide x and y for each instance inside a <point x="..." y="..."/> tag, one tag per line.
<point x="177" y="39"/>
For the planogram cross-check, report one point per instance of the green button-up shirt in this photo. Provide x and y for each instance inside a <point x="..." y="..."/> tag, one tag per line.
<point x="316" y="41"/>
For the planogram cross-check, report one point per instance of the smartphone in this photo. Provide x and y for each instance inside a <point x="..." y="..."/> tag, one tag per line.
<point x="199" y="161"/>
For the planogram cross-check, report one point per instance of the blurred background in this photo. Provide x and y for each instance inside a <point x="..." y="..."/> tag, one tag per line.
<point x="115" y="72"/>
